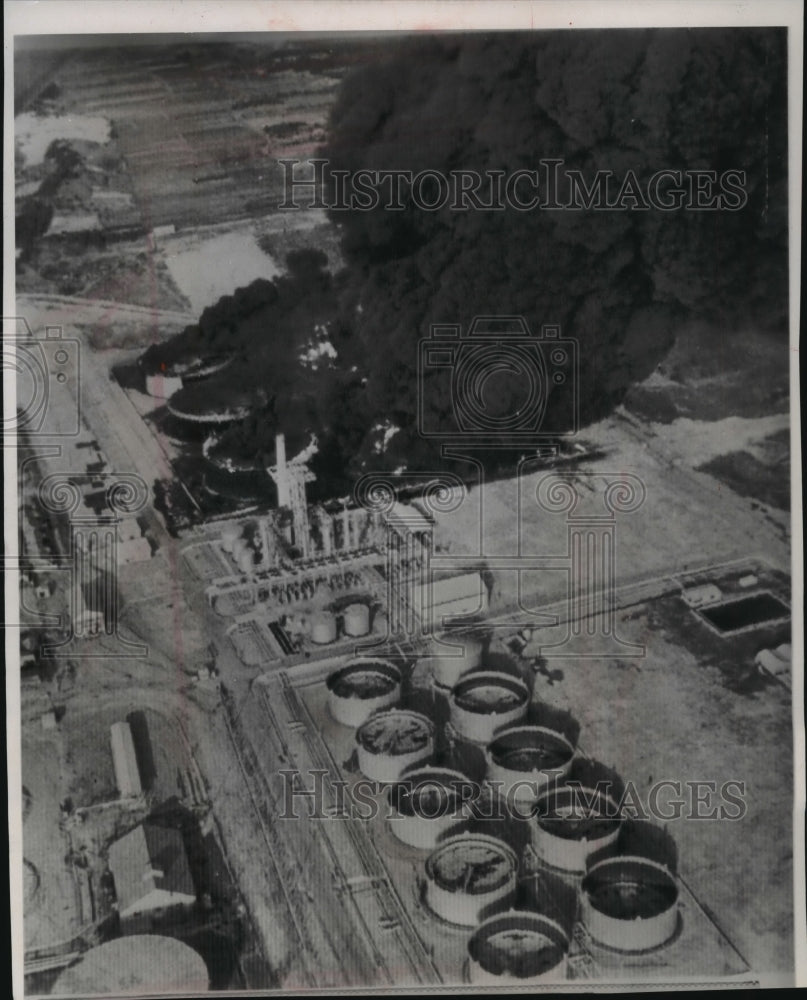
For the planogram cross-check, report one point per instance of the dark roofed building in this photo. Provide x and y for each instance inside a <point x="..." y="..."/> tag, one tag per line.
<point x="151" y="871"/>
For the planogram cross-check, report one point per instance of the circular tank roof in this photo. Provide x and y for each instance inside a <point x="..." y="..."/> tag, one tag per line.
<point x="490" y="692"/>
<point x="135" y="964"/>
<point x="523" y="945"/>
<point x="630" y="888"/>
<point x="472" y="865"/>
<point x="364" y="679"/>
<point x="530" y="748"/>
<point x="395" y="733"/>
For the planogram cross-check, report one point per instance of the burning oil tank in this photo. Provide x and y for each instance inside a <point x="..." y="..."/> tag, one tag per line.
<point x="468" y="874"/>
<point x="390" y="742"/>
<point x="449" y="665"/>
<point x="571" y="822"/>
<point x="517" y="947"/>
<point x="362" y="687"/>
<point x="356" y="619"/>
<point x="483" y="703"/>
<point x="630" y="903"/>
<point x="523" y="760"/>
<point x="428" y="804"/>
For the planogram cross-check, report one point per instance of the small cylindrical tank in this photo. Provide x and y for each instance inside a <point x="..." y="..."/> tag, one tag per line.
<point x="448" y="665"/>
<point x="629" y="903"/>
<point x="482" y="703"/>
<point x="389" y="742"/>
<point x="467" y="874"/>
<point x="523" y="760"/>
<point x="362" y="687"/>
<point x="229" y="533"/>
<point x="427" y="804"/>
<point x="356" y="619"/>
<point x="245" y="560"/>
<point x="570" y="823"/>
<point x="323" y="628"/>
<point x="516" y="948"/>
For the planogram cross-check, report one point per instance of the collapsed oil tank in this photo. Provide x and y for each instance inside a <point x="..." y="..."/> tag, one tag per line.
<point x="468" y="874"/>
<point x="523" y="760"/>
<point x="428" y="804"/>
<point x="449" y="664"/>
<point x="484" y="702"/>
<point x="630" y="903"/>
<point x="515" y="947"/>
<point x="390" y="742"/>
<point x="362" y="687"/>
<point x="571" y="822"/>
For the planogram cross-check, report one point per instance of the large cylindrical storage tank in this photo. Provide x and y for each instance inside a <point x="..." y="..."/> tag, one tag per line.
<point x="390" y="742"/>
<point x="356" y="619"/>
<point x="229" y="534"/>
<point x="448" y="665"/>
<point x="516" y="948"/>
<point x="428" y="804"/>
<point x="629" y="903"/>
<point x="571" y="823"/>
<point x="523" y="760"/>
<point x="482" y="703"/>
<point x="362" y="687"/>
<point x="468" y="874"/>
<point x="323" y="628"/>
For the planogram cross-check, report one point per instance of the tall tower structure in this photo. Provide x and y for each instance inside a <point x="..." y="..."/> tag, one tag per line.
<point x="290" y="479"/>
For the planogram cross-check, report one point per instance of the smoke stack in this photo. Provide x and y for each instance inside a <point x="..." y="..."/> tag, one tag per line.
<point x="282" y="480"/>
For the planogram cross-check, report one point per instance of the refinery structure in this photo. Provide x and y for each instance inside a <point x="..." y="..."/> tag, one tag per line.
<point x="491" y="722"/>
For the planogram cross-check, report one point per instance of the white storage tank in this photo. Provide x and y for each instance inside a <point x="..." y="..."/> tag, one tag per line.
<point x="229" y="534"/>
<point x="467" y="874"/>
<point x="570" y="823"/>
<point x="323" y="628"/>
<point x="448" y="665"/>
<point x="356" y="619"/>
<point x="362" y="687"/>
<point x="484" y="702"/>
<point x="630" y="903"/>
<point x="523" y="760"/>
<point x="390" y="742"/>
<point x="516" y="948"/>
<point x="428" y="804"/>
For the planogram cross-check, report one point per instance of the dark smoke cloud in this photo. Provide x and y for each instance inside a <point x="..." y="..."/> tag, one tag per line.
<point x="618" y="282"/>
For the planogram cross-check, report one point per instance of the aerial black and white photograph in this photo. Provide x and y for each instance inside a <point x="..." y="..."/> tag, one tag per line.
<point x="403" y="536"/>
